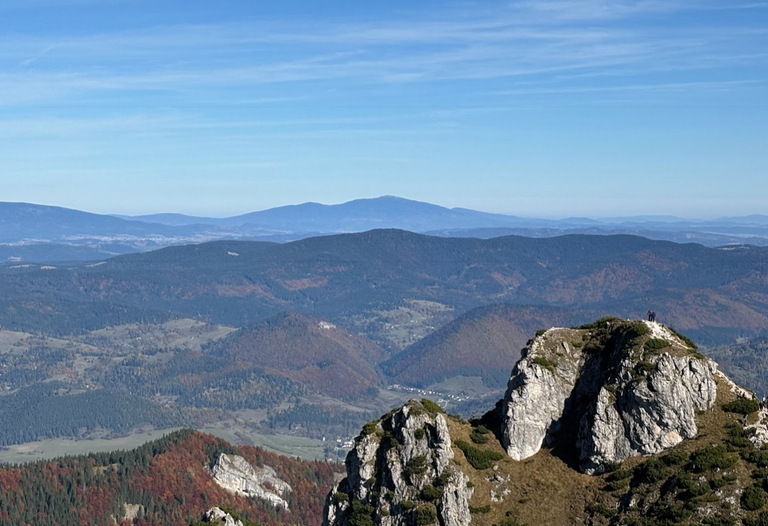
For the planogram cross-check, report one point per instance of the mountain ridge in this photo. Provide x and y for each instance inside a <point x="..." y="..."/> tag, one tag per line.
<point x="482" y="342"/>
<point x="359" y="280"/>
<point x="29" y="229"/>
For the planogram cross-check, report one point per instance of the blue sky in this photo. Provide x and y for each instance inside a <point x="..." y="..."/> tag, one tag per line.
<point x="546" y="108"/>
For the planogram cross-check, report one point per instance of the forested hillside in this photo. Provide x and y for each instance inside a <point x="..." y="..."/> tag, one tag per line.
<point x="746" y="362"/>
<point x="359" y="280"/>
<point x="311" y="338"/>
<point x="308" y="350"/>
<point x="167" y="481"/>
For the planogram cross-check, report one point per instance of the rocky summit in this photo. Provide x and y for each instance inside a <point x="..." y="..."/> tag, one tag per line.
<point x="621" y="389"/>
<point x="614" y="422"/>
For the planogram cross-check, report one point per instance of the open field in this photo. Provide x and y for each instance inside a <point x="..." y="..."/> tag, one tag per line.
<point x="292" y="446"/>
<point x="16" y="342"/>
<point x="57" y="447"/>
<point x="183" y="333"/>
<point x="306" y="448"/>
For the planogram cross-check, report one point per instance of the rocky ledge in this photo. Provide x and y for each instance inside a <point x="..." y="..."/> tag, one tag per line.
<point x="236" y="475"/>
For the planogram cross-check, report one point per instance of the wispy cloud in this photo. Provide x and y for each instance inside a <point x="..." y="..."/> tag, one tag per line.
<point x="676" y="87"/>
<point x="521" y="40"/>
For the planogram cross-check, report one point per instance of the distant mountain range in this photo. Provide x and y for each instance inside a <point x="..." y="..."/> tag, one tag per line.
<point x="30" y="232"/>
<point x="353" y="216"/>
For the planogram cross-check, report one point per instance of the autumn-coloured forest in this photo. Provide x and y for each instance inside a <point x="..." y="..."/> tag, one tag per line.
<point x="168" y="477"/>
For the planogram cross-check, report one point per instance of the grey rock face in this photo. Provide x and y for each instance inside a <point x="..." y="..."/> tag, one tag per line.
<point x="404" y="453"/>
<point x="236" y="475"/>
<point x="132" y="511"/>
<point x="218" y="517"/>
<point x="621" y="399"/>
<point x="535" y="398"/>
<point x="650" y="414"/>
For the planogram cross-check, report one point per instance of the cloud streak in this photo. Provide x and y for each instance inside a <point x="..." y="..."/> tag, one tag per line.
<point x="522" y="40"/>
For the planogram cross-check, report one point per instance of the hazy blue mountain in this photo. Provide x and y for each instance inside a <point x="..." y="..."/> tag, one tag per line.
<point x="709" y="239"/>
<point x="298" y="221"/>
<point x="755" y="219"/>
<point x="353" y="216"/>
<point x="27" y="229"/>
<point x="30" y="232"/>
<point x="20" y="221"/>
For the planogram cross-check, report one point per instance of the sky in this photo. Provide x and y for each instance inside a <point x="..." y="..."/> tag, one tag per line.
<point x="549" y="108"/>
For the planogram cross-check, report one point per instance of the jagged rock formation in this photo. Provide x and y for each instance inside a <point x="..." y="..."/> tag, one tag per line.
<point x="598" y="395"/>
<point x="623" y="388"/>
<point x="236" y="475"/>
<point x="400" y="472"/>
<point x="219" y="517"/>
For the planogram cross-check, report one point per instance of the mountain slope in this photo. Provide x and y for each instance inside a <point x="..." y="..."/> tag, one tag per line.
<point x="308" y="350"/>
<point x="394" y="212"/>
<point x="482" y="342"/>
<point x="746" y="362"/>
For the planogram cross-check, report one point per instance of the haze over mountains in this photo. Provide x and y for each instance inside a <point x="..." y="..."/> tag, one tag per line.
<point x="31" y="232"/>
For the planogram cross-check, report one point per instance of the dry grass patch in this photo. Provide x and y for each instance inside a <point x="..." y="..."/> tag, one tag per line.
<point x="538" y="491"/>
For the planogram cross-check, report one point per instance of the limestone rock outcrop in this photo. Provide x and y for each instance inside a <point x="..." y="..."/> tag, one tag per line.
<point x="620" y="389"/>
<point x="597" y="395"/>
<point x="236" y="475"/>
<point x="218" y="517"/>
<point x="400" y="472"/>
